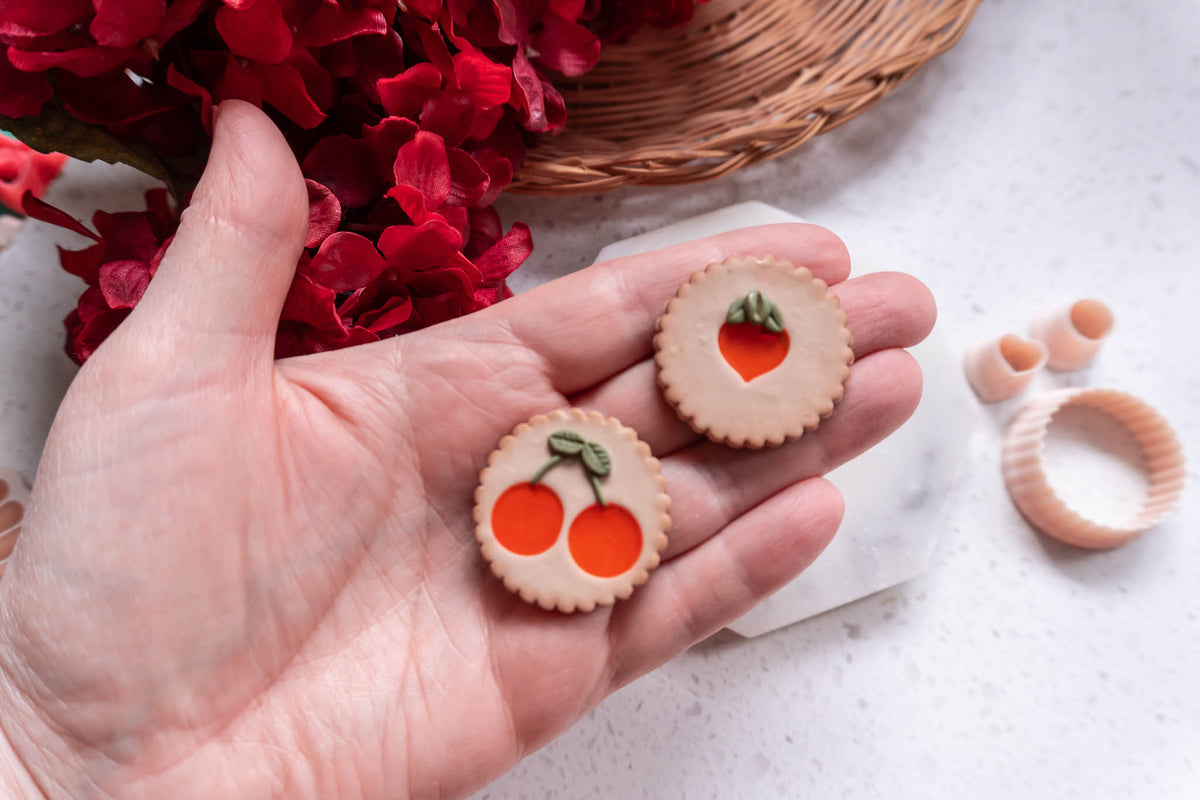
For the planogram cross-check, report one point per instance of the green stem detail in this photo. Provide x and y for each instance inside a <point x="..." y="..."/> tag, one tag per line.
<point x="594" y="458"/>
<point x="596" y="489"/>
<point x="757" y="309"/>
<point x="545" y="468"/>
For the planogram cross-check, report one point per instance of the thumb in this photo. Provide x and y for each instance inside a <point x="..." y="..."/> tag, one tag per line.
<point x="219" y="289"/>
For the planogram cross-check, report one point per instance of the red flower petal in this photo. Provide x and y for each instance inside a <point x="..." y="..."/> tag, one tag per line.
<point x="513" y="28"/>
<point x="33" y="207"/>
<point x="424" y="165"/>
<point x="283" y="87"/>
<point x="406" y="94"/>
<point x="346" y="262"/>
<point x="566" y="46"/>
<point x="83" y="263"/>
<point x="22" y="94"/>
<point x="85" y="336"/>
<point x="124" y="282"/>
<point x="336" y="22"/>
<point x="366" y="60"/>
<point x="500" y="174"/>
<point x="190" y="87"/>
<point x="484" y="81"/>
<point x="429" y="9"/>
<point x="484" y="231"/>
<point x="161" y="213"/>
<point x="126" y="235"/>
<point x="324" y="213"/>
<point x="385" y="139"/>
<point x="347" y="166"/>
<point x="529" y="92"/>
<point x="257" y="32"/>
<point x="449" y="114"/>
<point x="396" y="311"/>
<point x="42" y="17"/>
<point x="568" y="9"/>
<point x="485" y="122"/>
<point x="312" y="304"/>
<point x="468" y="181"/>
<point x="86" y="62"/>
<point x="427" y="40"/>
<point x="120" y="23"/>
<point x="413" y="248"/>
<point x="556" y="108"/>
<point x="180" y="14"/>
<point x="505" y="255"/>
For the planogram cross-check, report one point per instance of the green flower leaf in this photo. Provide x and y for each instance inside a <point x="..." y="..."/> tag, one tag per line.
<point x="596" y="459"/>
<point x="54" y="129"/>
<point x="566" y="443"/>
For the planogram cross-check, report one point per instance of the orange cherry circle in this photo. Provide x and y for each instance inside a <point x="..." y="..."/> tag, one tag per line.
<point x="527" y="518"/>
<point x="752" y="350"/>
<point x="605" y="540"/>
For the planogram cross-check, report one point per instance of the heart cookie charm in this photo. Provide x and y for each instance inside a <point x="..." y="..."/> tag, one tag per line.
<point x="753" y="352"/>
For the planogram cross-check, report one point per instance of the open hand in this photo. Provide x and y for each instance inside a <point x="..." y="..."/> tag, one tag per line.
<point x="250" y="578"/>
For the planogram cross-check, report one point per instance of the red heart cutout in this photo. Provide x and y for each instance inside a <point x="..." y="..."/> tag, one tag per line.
<point x="752" y="350"/>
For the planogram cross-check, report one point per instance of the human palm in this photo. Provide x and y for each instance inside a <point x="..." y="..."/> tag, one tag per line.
<point x="249" y="578"/>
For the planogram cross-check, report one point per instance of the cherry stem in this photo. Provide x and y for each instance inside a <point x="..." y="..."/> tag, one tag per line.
<point x="596" y="489"/>
<point x="554" y="461"/>
<point x="545" y="468"/>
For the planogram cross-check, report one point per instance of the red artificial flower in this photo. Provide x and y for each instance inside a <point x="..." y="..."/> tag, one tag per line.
<point x="23" y="169"/>
<point x="408" y="120"/>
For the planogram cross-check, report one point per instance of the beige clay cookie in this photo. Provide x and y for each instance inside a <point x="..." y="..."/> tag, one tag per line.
<point x="753" y="352"/>
<point x="571" y="511"/>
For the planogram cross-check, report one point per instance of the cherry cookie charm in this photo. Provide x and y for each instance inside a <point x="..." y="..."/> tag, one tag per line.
<point x="571" y="511"/>
<point x="753" y="352"/>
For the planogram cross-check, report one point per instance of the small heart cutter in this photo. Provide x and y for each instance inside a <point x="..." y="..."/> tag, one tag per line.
<point x="753" y="352"/>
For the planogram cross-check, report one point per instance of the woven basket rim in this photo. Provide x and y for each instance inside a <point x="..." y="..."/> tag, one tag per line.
<point x="649" y="114"/>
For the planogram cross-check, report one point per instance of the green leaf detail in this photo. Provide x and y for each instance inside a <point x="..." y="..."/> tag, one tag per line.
<point x="756" y="309"/>
<point x="596" y="459"/>
<point x="774" y="321"/>
<point x="737" y="312"/>
<point x="566" y="443"/>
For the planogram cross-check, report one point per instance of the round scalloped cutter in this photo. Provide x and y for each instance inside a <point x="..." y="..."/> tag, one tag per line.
<point x="571" y="511"/>
<point x="1034" y="494"/>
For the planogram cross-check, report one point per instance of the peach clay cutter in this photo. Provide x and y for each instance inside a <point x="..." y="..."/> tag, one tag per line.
<point x="14" y="501"/>
<point x="571" y="511"/>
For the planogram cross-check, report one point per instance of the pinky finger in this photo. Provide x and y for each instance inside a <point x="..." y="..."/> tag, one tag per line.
<point x="696" y="594"/>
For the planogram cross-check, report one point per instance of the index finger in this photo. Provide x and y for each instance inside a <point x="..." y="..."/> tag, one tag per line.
<point x="598" y="321"/>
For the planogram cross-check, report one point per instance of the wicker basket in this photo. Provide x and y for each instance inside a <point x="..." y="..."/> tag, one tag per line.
<point x="745" y="81"/>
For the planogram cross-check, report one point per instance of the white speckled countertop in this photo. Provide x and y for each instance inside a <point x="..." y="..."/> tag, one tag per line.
<point x="1054" y="154"/>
